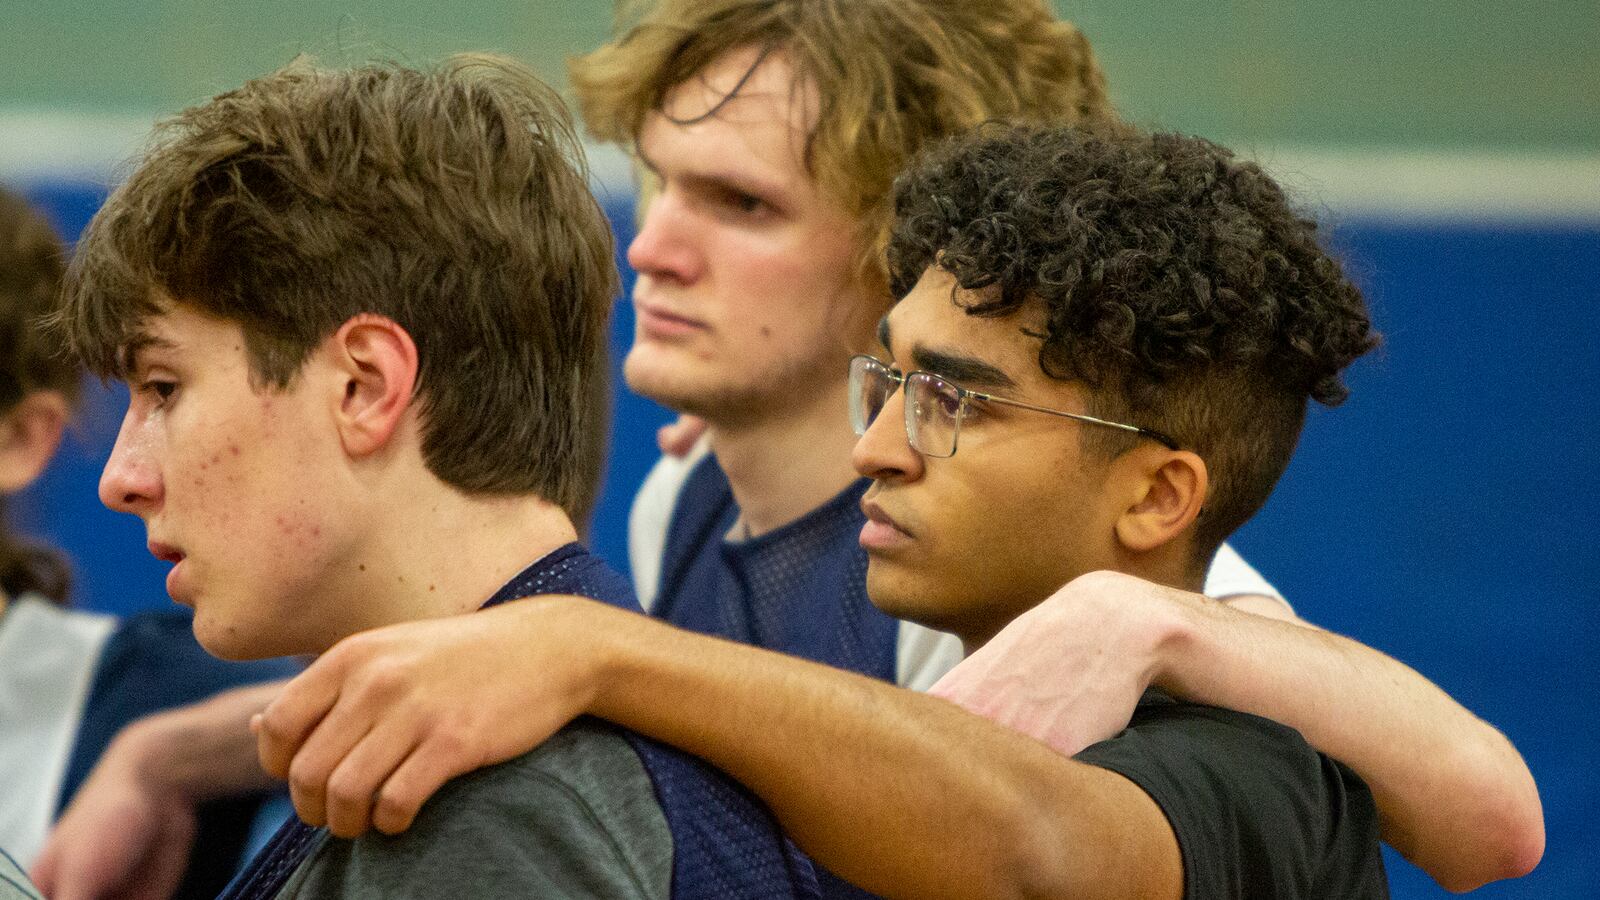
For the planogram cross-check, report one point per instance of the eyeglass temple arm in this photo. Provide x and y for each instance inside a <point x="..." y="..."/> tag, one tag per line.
<point x="1165" y="441"/>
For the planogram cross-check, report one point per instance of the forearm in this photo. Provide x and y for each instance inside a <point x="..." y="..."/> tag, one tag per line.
<point x="902" y="793"/>
<point x="203" y="751"/>
<point x="1453" y="795"/>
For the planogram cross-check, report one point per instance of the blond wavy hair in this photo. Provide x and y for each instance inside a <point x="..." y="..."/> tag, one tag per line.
<point x="892" y="75"/>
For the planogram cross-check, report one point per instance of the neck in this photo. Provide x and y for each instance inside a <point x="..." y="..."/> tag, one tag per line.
<point x="1167" y="566"/>
<point x="786" y="464"/>
<point x="444" y="553"/>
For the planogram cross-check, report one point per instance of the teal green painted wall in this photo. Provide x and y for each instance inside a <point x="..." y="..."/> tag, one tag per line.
<point x="1358" y="73"/>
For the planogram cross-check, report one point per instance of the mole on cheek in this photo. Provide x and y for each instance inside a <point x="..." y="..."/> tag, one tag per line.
<point x="766" y="331"/>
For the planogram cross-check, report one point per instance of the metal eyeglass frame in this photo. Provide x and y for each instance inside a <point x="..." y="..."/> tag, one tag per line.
<point x="861" y="363"/>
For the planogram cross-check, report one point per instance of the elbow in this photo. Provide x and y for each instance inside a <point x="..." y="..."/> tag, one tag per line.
<point x="1510" y="826"/>
<point x="1515" y="850"/>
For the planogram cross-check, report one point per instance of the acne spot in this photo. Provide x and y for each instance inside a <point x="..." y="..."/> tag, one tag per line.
<point x="766" y="331"/>
<point x="234" y="449"/>
<point x="215" y="458"/>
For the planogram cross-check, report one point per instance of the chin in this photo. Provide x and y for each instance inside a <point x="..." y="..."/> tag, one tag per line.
<point x="906" y="597"/>
<point x="230" y="642"/>
<point x="685" y="383"/>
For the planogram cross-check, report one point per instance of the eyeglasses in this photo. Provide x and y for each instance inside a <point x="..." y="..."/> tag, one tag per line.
<point x="935" y="407"/>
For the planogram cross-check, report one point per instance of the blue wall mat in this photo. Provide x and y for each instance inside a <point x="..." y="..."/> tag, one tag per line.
<point x="1445" y="514"/>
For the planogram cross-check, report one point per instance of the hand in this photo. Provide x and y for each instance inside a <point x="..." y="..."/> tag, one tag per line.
<point x="678" y="438"/>
<point x="124" y="835"/>
<point x="1070" y="671"/>
<point x="382" y="720"/>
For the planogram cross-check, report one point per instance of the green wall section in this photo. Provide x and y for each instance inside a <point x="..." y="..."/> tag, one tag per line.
<point x="1443" y="75"/>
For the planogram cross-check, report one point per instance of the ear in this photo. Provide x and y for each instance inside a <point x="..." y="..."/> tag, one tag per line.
<point x="1169" y="489"/>
<point x="376" y="361"/>
<point x="29" y="435"/>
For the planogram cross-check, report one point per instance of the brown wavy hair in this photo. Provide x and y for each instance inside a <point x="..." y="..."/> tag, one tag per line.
<point x="453" y="201"/>
<point x="892" y="76"/>
<point x="1179" y="285"/>
<point x="32" y="260"/>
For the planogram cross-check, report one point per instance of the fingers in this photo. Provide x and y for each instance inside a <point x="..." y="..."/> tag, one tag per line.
<point x="339" y="732"/>
<point x="678" y="438"/>
<point x="289" y="719"/>
<point x="435" y="761"/>
<point x="354" y="784"/>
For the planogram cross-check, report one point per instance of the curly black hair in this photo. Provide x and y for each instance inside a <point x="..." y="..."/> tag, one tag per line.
<point x="1179" y="285"/>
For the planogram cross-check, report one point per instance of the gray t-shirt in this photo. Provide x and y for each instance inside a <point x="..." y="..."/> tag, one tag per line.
<point x="575" y="818"/>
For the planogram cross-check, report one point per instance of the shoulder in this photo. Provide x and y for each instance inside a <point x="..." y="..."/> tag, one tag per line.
<point x="650" y="517"/>
<point x="576" y="817"/>
<point x="1250" y="801"/>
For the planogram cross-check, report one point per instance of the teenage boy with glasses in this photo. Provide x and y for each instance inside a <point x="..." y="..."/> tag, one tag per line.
<point x="906" y="795"/>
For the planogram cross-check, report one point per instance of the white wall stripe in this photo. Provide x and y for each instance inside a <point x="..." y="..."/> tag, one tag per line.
<point x="1402" y="184"/>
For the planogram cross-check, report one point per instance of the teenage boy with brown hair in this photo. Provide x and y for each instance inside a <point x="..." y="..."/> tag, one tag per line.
<point x="362" y="315"/>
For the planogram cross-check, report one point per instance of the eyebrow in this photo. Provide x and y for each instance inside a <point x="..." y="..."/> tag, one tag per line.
<point x="769" y="192"/>
<point x="963" y="370"/>
<point x="139" y="342"/>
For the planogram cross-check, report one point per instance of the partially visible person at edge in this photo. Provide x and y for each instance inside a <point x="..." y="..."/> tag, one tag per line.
<point x="341" y="418"/>
<point x="768" y="238"/>
<point x="69" y="679"/>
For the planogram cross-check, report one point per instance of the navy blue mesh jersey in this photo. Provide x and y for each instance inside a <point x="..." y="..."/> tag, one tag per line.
<point x="726" y="844"/>
<point x="801" y="589"/>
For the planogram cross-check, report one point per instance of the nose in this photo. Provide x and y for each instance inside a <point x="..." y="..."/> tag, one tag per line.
<point x="664" y="249"/>
<point x="884" y="453"/>
<point x="131" y="481"/>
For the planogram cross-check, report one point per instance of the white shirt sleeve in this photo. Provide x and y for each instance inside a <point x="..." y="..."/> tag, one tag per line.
<point x="651" y="516"/>
<point x="924" y="655"/>
<point x="1231" y="576"/>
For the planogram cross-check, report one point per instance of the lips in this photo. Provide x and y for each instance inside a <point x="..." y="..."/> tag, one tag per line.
<point x="662" y="322"/>
<point x="165" y="552"/>
<point x="881" y="533"/>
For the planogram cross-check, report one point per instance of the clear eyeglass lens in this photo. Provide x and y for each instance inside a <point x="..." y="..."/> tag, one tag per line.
<point x="933" y="414"/>
<point x="870" y="387"/>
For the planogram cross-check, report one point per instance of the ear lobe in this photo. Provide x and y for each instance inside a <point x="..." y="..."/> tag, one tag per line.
<point x="377" y="362"/>
<point x="29" y="435"/>
<point x="1174" y="487"/>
